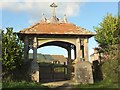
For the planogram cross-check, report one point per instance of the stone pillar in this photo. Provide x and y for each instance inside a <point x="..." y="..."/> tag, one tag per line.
<point x="26" y="50"/>
<point x="77" y="60"/>
<point x="69" y="63"/>
<point x="86" y="49"/>
<point x="78" y="55"/>
<point x="34" y="64"/>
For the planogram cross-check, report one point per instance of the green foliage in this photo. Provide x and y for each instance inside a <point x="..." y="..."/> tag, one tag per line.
<point x="11" y="51"/>
<point x="110" y="71"/>
<point x="107" y="32"/>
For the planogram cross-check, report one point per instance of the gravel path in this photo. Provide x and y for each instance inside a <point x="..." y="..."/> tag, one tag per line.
<point x="61" y="85"/>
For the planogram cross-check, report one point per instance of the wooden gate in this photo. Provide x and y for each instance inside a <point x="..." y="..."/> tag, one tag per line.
<point x="52" y="72"/>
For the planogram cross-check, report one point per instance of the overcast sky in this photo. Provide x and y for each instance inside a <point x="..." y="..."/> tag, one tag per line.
<point x="21" y="14"/>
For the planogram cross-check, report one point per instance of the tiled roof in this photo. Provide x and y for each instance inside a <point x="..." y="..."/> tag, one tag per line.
<point x="57" y="28"/>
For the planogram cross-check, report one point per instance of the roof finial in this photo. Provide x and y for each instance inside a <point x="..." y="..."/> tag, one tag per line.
<point x="53" y="5"/>
<point x="65" y="19"/>
<point x="43" y="19"/>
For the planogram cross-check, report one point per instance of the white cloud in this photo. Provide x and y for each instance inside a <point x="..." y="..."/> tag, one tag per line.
<point x="41" y="7"/>
<point x="37" y="8"/>
<point x="70" y="8"/>
<point x="31" y="21"/>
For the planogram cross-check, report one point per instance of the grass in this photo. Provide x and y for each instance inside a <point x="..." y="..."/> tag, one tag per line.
<point x="30" y="85"/>
<point x="22" y="84"/>
<point x="0" y="85"/>
<point x="102" y="84"/>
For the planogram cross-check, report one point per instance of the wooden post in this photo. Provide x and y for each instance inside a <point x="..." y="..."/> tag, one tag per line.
<point x="34" y="64"/>
<point x="69" y="63"/>
<point x="26" y="50"/>
<point x="35" y="49"/>
<point x="64" y="70"/>
<point x="74" y="52"/>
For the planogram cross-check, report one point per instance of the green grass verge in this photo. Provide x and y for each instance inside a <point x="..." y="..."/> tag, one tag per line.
<point x="101" y="84"/>
<point x="0" y="85"/>
<point x="22" y="84"/>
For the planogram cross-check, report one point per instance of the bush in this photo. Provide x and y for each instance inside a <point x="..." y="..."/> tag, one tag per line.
<point x="110" y="71"/>
<point x="12" y="51"/>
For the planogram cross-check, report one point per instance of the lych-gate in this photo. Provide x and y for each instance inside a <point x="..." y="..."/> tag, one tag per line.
<point x="56" y="32"/>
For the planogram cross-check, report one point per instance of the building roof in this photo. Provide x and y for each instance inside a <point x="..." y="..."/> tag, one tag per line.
<point x="60" y="58"/>
<point x="56" y="28"/>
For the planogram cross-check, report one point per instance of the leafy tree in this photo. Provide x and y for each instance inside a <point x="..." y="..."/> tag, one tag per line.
<point x="11" y="51"/>
<point x="107" y="36"/>
<point x="107" y="33"/>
